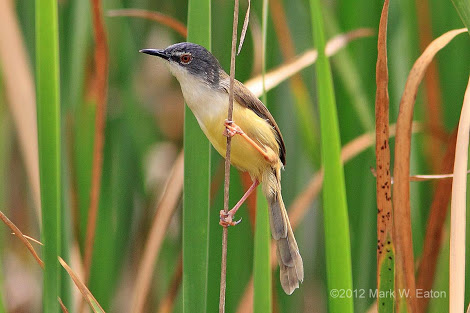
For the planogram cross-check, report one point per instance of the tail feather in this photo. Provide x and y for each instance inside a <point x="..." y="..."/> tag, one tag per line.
<point x="277" y="219"/>
<point x="288" y="256"/>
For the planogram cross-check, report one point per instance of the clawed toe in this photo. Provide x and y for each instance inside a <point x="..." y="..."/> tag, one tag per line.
<point x="226" y="219"/>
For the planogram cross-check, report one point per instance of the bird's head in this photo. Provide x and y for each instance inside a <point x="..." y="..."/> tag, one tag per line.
<point x="188" y="61"/>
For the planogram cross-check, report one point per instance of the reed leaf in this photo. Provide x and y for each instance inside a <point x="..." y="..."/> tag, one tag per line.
<point x="335" y="210"/>
<point x="48" y="112"/>
<point x="196" y="181"/>
<point x="261" y="268"/>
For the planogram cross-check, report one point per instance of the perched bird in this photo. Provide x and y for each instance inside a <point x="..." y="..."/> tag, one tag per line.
<point x="258" y="149"/>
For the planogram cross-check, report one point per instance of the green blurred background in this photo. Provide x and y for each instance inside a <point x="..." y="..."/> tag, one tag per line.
<point x="144" y="134"/>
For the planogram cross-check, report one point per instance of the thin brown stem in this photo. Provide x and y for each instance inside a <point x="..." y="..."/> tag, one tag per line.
<point x="17" y="232"/>
<point x="158" y="17"/>
<point x="101" y="65"/>
<point x="434" y="229"/>
<point x="223" y="270"/>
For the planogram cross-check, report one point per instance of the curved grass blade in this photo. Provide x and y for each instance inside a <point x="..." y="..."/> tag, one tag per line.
<point x="401" y="189"/>
<point x="335" y="210"/>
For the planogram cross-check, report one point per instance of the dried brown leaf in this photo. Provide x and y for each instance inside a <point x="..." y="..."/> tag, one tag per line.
<point x="401" y="189"/>
<point x="382" y="146"/>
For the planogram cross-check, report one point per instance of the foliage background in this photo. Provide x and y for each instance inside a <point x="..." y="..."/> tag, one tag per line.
<point x="144" y="129"/>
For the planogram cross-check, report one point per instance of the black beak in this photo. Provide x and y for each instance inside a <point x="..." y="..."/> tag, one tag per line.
<point x="157" y="52"/>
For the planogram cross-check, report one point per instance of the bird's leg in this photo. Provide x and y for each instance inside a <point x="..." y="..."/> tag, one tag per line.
<point x="226" y="219"/>
<point x="232" y="129"/>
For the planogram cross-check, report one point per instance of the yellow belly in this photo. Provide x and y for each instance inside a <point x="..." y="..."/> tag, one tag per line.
<point x="243" y="155"/>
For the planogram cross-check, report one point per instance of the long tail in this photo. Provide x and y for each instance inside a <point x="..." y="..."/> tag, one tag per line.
<point x="288" y="256"/>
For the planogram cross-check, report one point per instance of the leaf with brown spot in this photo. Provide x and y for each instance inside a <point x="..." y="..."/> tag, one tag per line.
<point x="385" y="252"/>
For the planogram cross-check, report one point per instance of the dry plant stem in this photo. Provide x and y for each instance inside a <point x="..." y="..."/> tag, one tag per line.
<point x="401" y="189"/>
<point x="168" y="302"/>
<point x="158" y="17"/>
<point x="165" y="209"/>
<point x="458" y="211"/>
<point x="223" y="269"/>
<point x="21" y="95"/>
<point x="435" y="225"/>
<point x="433" y="112"/>
<point x="101" y="66"/>
<point x="87" y="295"/>
<point x="244" y="28"/>
<point x="22" y="237"/>
<point x="382" y="147"/>
<point x="62" y="306"/>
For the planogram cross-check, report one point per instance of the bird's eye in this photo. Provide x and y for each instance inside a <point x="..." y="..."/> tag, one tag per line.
<point x="186" y="58"/>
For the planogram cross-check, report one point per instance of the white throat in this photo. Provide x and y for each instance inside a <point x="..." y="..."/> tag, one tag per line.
<point x="205" y="102"/>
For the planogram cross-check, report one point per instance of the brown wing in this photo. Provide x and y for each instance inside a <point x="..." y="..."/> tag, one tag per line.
<point x="246" y="98"/>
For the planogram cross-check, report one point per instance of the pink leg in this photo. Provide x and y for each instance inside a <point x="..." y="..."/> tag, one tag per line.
<point x="226" y="218"/>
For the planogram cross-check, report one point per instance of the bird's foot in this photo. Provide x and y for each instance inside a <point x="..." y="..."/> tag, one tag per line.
<point x="226" y="219"/>
<point x="232" y="129"/>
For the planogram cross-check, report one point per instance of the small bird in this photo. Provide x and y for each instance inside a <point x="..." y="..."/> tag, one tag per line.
<point x="259" y="149"/>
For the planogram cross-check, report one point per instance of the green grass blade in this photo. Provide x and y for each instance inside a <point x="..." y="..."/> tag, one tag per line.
<point x="48" y="111"/>
<point x="5" y="135"/>
<point x="196" y="182"/>
<point x="463" y="8"/>
<point x="335" y="211"/>
<point x="261" y="268"/>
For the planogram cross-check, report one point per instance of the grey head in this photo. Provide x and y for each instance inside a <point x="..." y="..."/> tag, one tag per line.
<point x="187" y="57"/>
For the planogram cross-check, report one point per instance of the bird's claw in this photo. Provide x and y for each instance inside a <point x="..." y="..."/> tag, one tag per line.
<point x="231" y="129"/>
<point x="226" y="219"/>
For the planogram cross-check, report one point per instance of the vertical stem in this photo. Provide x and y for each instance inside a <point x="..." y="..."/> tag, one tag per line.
<point x="101" y="65"/>
<point x="196" y="185"/>
<point x="223" y="270"/>
<point x="48" y="114"/>
<point x="262" y="274"/>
